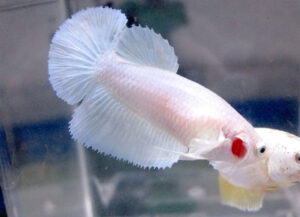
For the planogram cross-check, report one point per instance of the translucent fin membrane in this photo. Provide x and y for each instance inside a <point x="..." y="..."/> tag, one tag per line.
<point x="77" y="46"/>
<point x="101" y="121"/>
<point x="107" y="126"/>
<point x="241" y="198"/>
<point x="142" y="46"/>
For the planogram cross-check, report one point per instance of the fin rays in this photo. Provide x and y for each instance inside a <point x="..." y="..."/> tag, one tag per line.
<point x="101" y="121"/>
<point x="110" y="127"/>
<point x="241" y="198"/>
<point x="142" y="46"/>
<point x="77" y="46"/>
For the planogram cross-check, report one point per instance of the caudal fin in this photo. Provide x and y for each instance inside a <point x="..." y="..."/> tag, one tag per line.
<point x="77" y="47"/>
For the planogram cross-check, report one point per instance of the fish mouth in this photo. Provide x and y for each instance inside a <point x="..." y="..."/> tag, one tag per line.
<point x="295" y="178"/>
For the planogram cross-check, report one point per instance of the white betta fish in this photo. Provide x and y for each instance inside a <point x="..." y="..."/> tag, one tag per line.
<point x="132" y="105"/>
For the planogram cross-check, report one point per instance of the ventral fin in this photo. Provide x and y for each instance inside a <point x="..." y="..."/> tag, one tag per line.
<point x="241" y="198"/>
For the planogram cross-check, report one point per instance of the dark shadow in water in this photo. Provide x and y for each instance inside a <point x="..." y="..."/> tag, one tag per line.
<point x="163" y="16"/>
<point x="279" y="113"/>
<point x="3" y="154"/>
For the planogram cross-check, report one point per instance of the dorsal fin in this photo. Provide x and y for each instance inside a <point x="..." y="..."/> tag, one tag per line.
<point x="241" y="198"/>
<point x="142" y="46"/>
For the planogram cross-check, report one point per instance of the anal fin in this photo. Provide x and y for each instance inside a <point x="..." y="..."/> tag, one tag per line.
<point x="241" y="198"/>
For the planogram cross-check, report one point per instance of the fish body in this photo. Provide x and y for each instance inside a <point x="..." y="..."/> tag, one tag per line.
<point x="182" y="108"/>
<point x="132" y="105"/>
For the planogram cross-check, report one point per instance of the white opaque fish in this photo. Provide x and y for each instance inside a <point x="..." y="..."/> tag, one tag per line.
<point x="132" y="105"/>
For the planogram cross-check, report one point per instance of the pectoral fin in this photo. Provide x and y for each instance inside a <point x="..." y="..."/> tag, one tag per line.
<point x="238" y="197"/>
<point x="212" y="150"/>
<point x="197" y="148"/>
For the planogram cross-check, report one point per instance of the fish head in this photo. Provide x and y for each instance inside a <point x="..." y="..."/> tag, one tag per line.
<point x="282" y="151"/>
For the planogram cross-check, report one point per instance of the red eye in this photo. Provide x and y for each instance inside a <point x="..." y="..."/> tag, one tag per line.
<point x="238" y="148"/>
